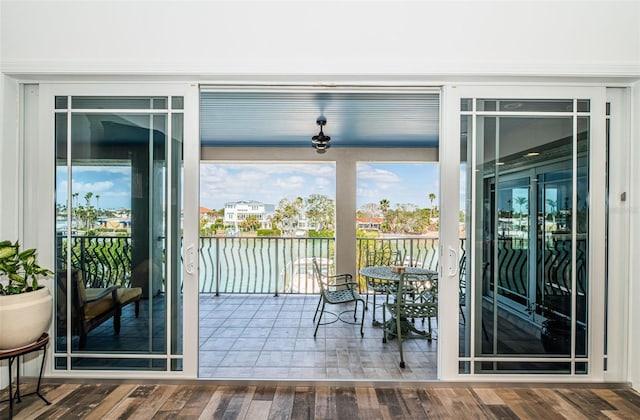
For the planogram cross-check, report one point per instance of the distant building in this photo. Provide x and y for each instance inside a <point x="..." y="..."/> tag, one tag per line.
<point x="372" y="223"/>
<point x="206" y="214"/>
<point x="237" y="211"/>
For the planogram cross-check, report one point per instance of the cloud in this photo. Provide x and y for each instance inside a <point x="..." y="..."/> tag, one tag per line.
<point x="290" y="183"/>
<point x="268" y="183"/>
<point x="368" y="172"/>
<point x="94" y="187"/>
<point x="101" y="187"/>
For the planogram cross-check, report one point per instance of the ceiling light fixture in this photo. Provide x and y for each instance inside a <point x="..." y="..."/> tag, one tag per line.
<point x="531" y="154"/>
<point x="321" y="142"/>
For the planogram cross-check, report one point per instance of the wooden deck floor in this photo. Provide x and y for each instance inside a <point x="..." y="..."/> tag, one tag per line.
<point x="213" y="401"/>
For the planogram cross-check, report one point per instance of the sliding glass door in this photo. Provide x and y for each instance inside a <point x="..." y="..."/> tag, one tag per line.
<point x="118" y="228"/>
<point x="532" y="206"/>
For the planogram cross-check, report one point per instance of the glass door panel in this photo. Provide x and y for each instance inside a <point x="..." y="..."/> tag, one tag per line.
<point x="524" y="279"/>
<point x="117" y="271"/>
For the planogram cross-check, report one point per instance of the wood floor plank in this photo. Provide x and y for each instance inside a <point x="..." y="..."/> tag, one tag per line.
<point x="155" y="399"/>
<point x="177" y="401"/>
<point x="226" y="395"/>
<point x="629" y="396"/>
<point x="111" y="400"/>
<point x="488" y="396"/>
<point x="557" y="403"/>
<point x="205" y="401"/>
<point x="239" y="402"/>
<point x="467" y="403"/>
<point x="411" y="401"/>
<point x="36" y="408"/>
<point x="534" y="404"/>
<point x="502" y="412"/>
<point x="389" y="400"/>
<point x="432" y="405"/>
<point x="79" y="402"/>
<point x="197" y="402"/>
<point x="264" y="393"/>
<point x="367" y="401"/>
<point x="623" y="407"/>
<point x="213" y="405"/>
<point x="282" y="404"/>
<point x="258" y="410"/>
<point x="346" y="403"/>
<point x="125" y="409"/>
<point x="588" y="402"/>
<point x="304" y="403"/>
<point x="515" y="402"/>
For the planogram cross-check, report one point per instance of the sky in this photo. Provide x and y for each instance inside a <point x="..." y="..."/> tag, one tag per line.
<point x="111" y="183"/>
<point x="400" y="183"/>
<point x="268" y="183"/>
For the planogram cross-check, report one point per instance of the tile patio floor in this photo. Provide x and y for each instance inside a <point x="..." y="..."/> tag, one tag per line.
<point x="267" y="337"/>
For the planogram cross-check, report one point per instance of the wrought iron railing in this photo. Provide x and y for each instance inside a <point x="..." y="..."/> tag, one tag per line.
<point x="277" y="265"/>
<point x="104" y="260"/>
<point x="241" y="265"/>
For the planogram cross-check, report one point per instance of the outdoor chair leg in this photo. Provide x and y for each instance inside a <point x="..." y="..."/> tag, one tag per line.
<point x="373" y="321"/>
<point x="384" y="324"/>
<point x="317" y="307"/>
<point x="361" y="320"/>
<point x="399" y="338"/>
<point x="319" y="319"/>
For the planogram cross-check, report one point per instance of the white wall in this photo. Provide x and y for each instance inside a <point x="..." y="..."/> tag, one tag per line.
<point x="9" y="153"/>
<point x="356" y="38"/>
<point x="317" y="41"/>
<point x="634" y="269"/>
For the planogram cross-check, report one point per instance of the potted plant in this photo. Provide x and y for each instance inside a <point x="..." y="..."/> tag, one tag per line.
<point x="25" y="306"/>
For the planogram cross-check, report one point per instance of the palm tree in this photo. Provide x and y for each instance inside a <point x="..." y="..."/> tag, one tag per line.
<point x="522" y="202"/>
<point x="384" y="206"/>
<point x="552" y="203"/>
<point x="432" y="198"/>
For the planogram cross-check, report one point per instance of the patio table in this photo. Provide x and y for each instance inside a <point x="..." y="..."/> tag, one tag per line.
<point x="387" y="273"/>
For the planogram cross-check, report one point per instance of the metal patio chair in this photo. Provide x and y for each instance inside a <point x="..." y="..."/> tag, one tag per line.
<point x="415" y="297"/>
<point x="383" y="256"/>
<point x="335" y="290"/>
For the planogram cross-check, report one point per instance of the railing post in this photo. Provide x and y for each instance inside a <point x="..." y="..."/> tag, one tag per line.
<point x="217" y="267"/>
<point x="83" y="260"/>
<point x="277" y="269"/>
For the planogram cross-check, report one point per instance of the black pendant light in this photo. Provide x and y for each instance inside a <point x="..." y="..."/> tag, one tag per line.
<point x="321" y="142"/>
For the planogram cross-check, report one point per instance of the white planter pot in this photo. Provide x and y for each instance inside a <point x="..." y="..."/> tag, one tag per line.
<point x="24" y="317"/>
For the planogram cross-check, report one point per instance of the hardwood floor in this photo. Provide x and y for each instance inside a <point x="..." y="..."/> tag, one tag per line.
<point x="208" y="400"/>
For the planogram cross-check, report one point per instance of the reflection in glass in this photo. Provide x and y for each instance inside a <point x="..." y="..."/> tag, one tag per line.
<point x="531" y="230"/>
<point x="112" y="209"/>
<point x="526" y="105"/>
<point x="465" y="238"/>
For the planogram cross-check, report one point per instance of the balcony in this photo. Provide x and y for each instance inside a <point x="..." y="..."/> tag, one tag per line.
<point x="256" y="307"/>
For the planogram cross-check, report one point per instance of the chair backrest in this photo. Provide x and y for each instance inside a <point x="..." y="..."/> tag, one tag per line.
<point x="382" y="256"/>
<point x="462" y="276"/>
<point x="319" y="276"/>
<point x="416" y="296"/>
